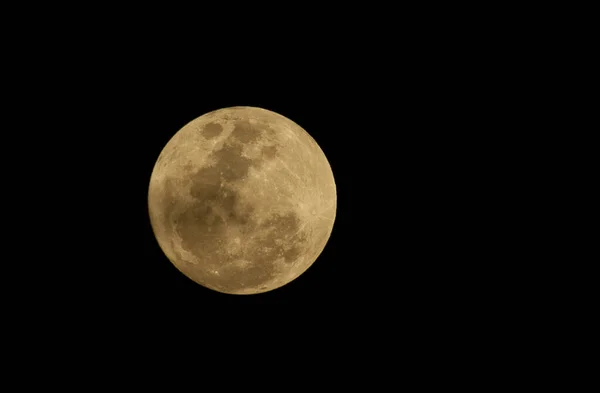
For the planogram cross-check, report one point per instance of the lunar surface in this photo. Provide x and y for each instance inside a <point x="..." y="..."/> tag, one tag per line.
<point x="242" y="200"/>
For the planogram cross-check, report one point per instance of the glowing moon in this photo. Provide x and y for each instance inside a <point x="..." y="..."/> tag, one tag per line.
<point x="242" y="200"/>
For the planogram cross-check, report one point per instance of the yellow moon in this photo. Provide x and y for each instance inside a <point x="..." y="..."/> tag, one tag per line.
<point x="242" y="200"/>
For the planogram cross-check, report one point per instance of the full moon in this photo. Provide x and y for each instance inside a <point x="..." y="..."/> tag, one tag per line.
<point x="242" y="200"/>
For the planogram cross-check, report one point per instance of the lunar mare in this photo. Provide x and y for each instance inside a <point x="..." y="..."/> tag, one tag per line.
<point x="242" y="200"/>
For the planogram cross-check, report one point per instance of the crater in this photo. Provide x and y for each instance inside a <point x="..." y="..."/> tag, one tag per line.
<point x="212" y="130"/>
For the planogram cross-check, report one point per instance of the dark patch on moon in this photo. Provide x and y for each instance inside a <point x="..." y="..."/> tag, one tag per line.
<point x="246" y="132"/>
<point x="285" y="228"/>
<point x="292" y="254"/>
<point x="212" y="130"/>
<point x="199" y="228"/>
<point x="269" y="152"/>
<point x="205" y="181"/>
<point x="216" y="206"/>
<point x="232" y="165"/>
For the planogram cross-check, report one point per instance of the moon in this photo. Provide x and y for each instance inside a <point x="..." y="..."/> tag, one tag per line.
<point x="242" y="200"/>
